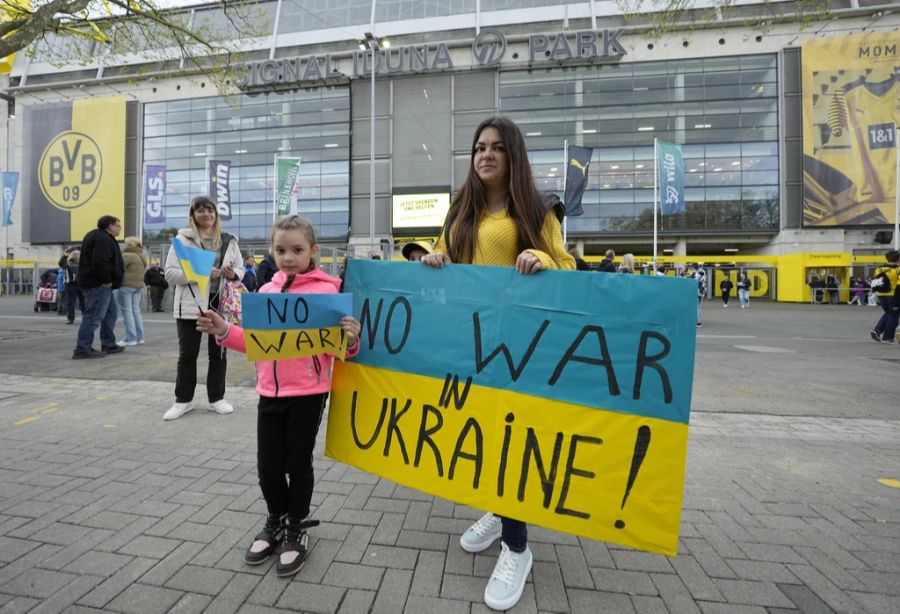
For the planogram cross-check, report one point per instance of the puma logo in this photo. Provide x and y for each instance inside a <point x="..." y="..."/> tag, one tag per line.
<point x="582" y="167"/>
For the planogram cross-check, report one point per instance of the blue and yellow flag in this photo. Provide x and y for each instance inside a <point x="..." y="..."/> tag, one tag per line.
<point x="196" y="263"/>
<point x="287" y="324"/>
<point x="559" y="399"/>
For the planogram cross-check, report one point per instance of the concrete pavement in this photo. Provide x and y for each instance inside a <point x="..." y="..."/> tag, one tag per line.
<point x="104" y="507"/>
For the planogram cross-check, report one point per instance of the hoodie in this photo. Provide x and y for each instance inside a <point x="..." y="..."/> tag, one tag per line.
<point x="292" y="377"/>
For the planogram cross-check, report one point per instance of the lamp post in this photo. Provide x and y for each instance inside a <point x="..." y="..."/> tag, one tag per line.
<point x="372" y="43"/>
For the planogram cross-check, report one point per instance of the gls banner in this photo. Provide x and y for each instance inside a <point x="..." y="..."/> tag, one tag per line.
<point x="560" y="399"/>
<point x="155" y="194"/>
<point x="73" y="167"/>
<point x="219" y="186"/>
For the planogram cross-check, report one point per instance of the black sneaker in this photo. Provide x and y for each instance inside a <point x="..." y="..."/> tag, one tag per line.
<point x="266" y="541"/>
<point x="91" y="353"/>
<point x="294" y="549"/>
<point x="112" y="349"/>
<point x="875" y="335"/>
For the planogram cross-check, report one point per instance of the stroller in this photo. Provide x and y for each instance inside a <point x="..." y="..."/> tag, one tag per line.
<point x="45" y="298"/>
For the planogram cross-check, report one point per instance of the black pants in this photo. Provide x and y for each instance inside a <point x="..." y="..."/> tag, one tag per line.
<point x="286" y="430"/>
<point x="188" y="349"/>
<point x="157" y="293"/>
<point x="73" y="294"/>
<point x="726" y="294"/>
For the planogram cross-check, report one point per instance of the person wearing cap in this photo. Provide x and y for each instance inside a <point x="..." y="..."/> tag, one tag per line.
<point x="414" y="251"/>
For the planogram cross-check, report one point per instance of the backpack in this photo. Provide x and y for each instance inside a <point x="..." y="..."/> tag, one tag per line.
<point x="881" y="282"/>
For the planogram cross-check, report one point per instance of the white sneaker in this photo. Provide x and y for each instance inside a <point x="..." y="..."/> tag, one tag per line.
<point x="178" y="410"/>
<point x="221" y="407"/>
<point x="507" y="582"/>
<point x="482" y="534"/>
<point x="140" y="342"/>
<point x="126" y="344"/>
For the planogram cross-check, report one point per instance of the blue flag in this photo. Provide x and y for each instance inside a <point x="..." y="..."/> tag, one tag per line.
<point x="10" y="184"/>
<point x="671" y="178"/>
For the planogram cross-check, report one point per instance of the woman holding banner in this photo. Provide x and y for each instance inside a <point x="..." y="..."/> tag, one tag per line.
<point x="204" y="231"/>
<point x="498" y="218"/>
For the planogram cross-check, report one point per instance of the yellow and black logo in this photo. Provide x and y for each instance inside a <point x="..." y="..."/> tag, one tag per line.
<point x="70" y="170"/>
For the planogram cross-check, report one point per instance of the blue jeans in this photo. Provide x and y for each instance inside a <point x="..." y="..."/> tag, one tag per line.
<point x="129" y="302"/>
<point x="99" y="308"/>
<point x="514" y="534"/>
<point x="887" y="325"/>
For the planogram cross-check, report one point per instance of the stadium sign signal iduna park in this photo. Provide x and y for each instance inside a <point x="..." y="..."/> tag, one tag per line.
<point x="488" y="49"/>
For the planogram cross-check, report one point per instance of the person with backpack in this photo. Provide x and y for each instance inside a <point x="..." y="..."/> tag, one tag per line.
<point x="204" y="231"/>
<point x="884" y="283"/>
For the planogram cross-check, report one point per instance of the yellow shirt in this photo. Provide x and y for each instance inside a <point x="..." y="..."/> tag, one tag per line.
<point x="497" y="243"/>
<point x="893" y="273"/>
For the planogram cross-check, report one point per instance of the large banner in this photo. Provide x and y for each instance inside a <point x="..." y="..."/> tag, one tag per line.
<point x="155" y="194"/>
<point x="287" y="185"/>
<point x="220" y="186"/>
<point x="851" y="89"/>
<point x="560" y="399"/>
<point x="73" y="167"/>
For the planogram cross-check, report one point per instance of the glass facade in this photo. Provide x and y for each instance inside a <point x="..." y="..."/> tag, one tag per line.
<point x="724" y="111"/>
<point x="248" y="131"/>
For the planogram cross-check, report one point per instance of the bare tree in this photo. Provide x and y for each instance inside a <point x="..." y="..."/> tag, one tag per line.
<point x="169" y="37"/>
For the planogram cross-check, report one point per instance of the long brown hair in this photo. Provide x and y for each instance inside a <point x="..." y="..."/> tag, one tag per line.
<point x="525" y="206"/>
<point x="206" y="201"/>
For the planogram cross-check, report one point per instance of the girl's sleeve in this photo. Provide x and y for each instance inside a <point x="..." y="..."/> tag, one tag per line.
<point x="233" y="339"/>
<point x="558" y="258"/>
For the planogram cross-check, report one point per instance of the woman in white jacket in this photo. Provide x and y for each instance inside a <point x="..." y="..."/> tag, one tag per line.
<point x="204" y="231"/>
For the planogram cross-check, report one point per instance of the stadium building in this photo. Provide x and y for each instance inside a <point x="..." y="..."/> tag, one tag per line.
<point x="787" y="123"/>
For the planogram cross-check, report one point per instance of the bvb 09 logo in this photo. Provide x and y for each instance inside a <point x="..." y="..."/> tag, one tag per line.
<point x="70" y="170"/>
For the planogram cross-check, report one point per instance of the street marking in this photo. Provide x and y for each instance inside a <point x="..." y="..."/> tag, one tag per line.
<point x="890" y="482"/>
<point x="765" y="349"/>
<point x="109" y="426"/>
<point x="102" y="397"/>
<point x="48" y="409"/>
<point x="27" y="420"/>
<point x="726" y="336"/>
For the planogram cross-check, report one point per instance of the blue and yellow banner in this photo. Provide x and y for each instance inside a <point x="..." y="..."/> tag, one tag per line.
<point x="287" y="325"/>
<point x="196" y="263"/>
<point x="561" y="399"/>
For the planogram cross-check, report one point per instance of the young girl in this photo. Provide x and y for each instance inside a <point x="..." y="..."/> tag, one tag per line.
<point x="292" y="395"/>
<point x="498" y="218"/>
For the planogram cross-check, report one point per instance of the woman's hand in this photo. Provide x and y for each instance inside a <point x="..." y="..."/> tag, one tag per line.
<point x="211" y="323"/>
<point x="215" y="273"/>
<point x="436" y="259"/>
<point x="527" y="263"/>
<point x="350" y="326"/>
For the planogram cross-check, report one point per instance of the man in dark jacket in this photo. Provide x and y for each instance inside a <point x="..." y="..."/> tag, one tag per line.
<point x="100" y="271"/>
<point x="266" y="270"/>
<point x="607" y="265"/>
<point x="156" y="281"/>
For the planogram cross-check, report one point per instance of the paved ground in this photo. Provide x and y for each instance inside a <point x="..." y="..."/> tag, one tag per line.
<point x="104" y="507"/>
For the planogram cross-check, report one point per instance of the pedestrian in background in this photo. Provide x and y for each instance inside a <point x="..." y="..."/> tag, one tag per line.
<point x="414" y="251"/>
<point x="608" y="265"/>
<point x="743" y="286"/>
<point x="156" y="281"/>
<point x="725" y="286"/>
<point x="627" y="264"/>
<point x="73" y="290"/>
<point x="130" y="295"/>
<point x="100" y="271"/>
<point x="580" y="264"/>
<point x="884" y="282"/>
<point x="250" y="280"/>
<point x="499" y="218"/>
<point x="266" y="270"/>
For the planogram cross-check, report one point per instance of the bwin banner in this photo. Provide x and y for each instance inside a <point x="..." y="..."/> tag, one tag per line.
<point x="73" y="167"/>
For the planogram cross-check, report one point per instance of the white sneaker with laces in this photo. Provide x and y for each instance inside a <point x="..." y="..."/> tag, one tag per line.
<point x="481" y="534"/>
<point x="178" y="410"/>
<point x="126" y="344"/>
<point x="507" y="582"/>
<point x="221" y="407"/>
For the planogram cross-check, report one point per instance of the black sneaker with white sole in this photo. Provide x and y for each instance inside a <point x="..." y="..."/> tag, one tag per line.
<point x="266" y="541"/>
<point x="295" y="548"/>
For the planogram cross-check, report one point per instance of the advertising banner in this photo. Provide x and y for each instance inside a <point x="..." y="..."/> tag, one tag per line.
<point x="576" y="178"/>
<point x="561" y="399"/>
<point x="287" y="185"/>
<point x="419" y="211"/>
<point x="220" y="186"/>
<point x="73" y="167"/>
<point x="10" y="185"/>
<point x="851" y="90"/>
<point x="155" y="194"/>
<point x="671" y="178"/>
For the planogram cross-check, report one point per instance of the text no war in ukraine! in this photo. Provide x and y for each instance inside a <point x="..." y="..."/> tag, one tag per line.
<point x="561" y="399"/>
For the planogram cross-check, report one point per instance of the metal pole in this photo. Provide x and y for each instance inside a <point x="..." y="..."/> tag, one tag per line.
<point x="565" y="185"/>
<point x="373" y="45"/>
<point x="655" y="197"/>
<point x="897" y="190"/>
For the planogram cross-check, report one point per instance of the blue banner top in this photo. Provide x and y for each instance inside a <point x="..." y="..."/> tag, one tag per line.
<point x="619" y="342"/>
<point x="293" y="310"/>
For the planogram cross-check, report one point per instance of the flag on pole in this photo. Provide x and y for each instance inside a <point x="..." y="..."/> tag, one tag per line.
<point x="10" y="184"/>
<point x="671" y="178"/>
<point x="576" y="178"/>
<point x="154" y="194"/>
<point x="220" y="187"/>
<point x="196" y="263"/>
<point x="287" y="185"/>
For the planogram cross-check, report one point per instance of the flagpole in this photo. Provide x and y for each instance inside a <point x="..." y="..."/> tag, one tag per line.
<point x="897" y="191"/>
<point x="655" y="196"/>
<point x="275" y="189"/>
<point x="565" y="168"/>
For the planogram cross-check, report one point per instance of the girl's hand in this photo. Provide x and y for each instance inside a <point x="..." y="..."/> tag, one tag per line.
<point x="227" y="272"/>
<point x="350" y="326"/>
<point x="211" y="323"/>
<point x="215" y="273"/>
<point x="527" y="263"/>
<point x="437" y="259"/>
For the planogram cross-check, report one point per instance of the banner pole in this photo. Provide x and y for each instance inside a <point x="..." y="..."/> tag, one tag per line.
<point x="565" y="185"/>
<point x="655" y="196"/>
<point x="275" y="189"/>
<point x="897" y="190"/>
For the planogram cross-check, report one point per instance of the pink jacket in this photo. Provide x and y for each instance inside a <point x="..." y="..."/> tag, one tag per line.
<point x="292" y="377"/>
